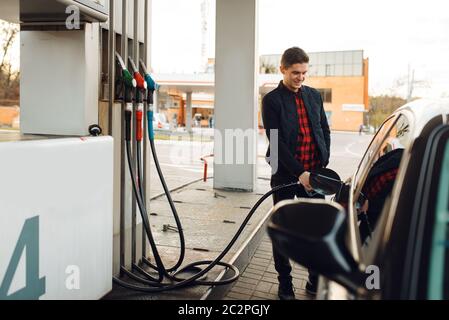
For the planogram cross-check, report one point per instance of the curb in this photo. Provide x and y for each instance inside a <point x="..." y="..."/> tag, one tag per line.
<point x="178" y="188"/>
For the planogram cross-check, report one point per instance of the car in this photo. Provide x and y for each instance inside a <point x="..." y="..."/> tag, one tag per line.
<point x="392" y="244"/>
<point x="368" y="129"/>
<point x="160" y="122"/>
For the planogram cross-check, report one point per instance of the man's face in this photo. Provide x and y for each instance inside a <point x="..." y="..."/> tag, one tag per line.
<point x="295" y="75"/>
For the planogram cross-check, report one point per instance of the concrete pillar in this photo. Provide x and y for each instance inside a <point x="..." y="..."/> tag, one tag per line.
<point x="236" y="94"/>
<point x="189" y="112"/>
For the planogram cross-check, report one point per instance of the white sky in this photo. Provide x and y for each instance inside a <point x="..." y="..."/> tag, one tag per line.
<point x="393" y="34"/>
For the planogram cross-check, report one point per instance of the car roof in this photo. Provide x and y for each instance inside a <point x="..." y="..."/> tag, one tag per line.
<point x="425" y="110"/>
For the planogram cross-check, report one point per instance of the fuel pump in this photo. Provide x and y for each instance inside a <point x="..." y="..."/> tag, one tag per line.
<point x="128" y="87"/>
<point x="125" y="86"/>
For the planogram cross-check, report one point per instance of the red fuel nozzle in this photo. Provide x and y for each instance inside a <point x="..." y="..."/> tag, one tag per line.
<point x="141" y="83"/>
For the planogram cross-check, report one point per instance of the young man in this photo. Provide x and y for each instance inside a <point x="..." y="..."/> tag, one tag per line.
<point x="303" y="143"/>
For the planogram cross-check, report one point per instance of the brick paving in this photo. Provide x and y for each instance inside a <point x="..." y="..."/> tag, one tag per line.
<point x="259" y="279"/>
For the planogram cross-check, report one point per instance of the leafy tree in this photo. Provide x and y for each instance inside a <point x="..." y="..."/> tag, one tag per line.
<point x="9" y="79"/>
<point x="268" y="68"/>
<point x="381" y="107"/>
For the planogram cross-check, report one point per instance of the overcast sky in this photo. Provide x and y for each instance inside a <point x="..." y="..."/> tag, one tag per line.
<point x="393" y="34"/>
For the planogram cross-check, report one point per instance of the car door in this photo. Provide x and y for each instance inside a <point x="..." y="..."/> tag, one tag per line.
<point x="372" y="185"/>
<point x="394" y="240"/>
<point x="427" y="260"/>
<point x="437" y="272"/>
<point x="393" y="134"/>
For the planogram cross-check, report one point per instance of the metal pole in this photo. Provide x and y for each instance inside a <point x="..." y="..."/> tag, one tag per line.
<point x="134" y="143"/>
<point x="124" y="52"/>
<point x="145" y="128"/>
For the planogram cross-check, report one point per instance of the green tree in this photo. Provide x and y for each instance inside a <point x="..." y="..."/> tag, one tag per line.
<point x="381" y="107"/>
<point x="9" y="79"/>
<point x="268" y="68"/>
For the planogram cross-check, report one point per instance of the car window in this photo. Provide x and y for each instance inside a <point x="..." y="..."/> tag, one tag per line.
<point x="377" y="174"/>
<point x="439" y="257"/>
<point x="375" y="142"/>
<point x="347" y="193"/>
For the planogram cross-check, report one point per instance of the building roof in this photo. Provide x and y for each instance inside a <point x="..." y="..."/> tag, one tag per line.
<point x="205" y="82"/>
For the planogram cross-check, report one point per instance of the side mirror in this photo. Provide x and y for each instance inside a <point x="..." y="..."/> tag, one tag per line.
<point x="313" y="233"/>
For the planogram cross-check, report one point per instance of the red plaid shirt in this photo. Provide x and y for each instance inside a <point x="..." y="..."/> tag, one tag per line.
<point x="306" y="149"/>
<point x="379" y="183"/>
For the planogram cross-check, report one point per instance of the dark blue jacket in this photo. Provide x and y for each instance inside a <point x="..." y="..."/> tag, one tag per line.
<point x="279" y="112"/>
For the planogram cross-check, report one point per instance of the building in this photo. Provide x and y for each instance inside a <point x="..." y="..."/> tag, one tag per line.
<point x="9" y="117"/>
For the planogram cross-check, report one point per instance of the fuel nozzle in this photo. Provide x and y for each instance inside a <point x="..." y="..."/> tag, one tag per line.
<point x="125" y="82"/>
<point x="140" y="93"/>
<point x="141" y="83"/>
<point x="151" y="84"/>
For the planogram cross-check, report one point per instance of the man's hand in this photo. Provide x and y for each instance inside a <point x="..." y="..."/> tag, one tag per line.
<point x="304" y="179"/>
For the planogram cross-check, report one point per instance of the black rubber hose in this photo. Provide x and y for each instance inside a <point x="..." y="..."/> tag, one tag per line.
<point x="172" y="207"/>
<point x="139" y="169"/>
<point x="140" y="180"/>
<point x="143" y="213"/>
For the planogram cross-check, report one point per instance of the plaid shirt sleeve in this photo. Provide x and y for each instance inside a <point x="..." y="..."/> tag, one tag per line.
<point x="380" y="183"/>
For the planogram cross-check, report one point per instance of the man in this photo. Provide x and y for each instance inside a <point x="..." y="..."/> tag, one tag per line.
<point x="303" y="143"/>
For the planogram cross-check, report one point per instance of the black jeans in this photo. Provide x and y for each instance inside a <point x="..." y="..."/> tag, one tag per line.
<point x="281" y="262"/>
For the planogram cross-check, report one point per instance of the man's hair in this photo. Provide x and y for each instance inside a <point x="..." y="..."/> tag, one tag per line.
<point x="292" y="56"/>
